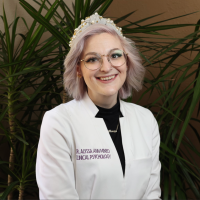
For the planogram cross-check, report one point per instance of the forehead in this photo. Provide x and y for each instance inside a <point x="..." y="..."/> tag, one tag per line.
<point x="101" y="43"/>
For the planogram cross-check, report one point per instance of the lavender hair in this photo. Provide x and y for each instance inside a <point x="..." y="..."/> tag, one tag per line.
<point x="76" y="87"/>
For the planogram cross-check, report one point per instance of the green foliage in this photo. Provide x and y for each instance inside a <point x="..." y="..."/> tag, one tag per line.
<point x="21" y="66"/>
<point x="37" y="67"/>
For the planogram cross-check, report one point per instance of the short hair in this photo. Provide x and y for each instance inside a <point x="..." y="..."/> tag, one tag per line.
<point x="76" y="87"/>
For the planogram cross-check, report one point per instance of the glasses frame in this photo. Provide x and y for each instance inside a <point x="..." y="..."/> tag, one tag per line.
<point x="125" y="55"/>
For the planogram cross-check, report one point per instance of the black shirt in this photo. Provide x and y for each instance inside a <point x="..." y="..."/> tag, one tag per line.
<point x="111" y="119"/>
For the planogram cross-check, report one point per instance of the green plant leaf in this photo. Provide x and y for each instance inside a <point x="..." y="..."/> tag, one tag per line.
<point x="104" y="7"/>
<point x="123" y="17"/>
<point x="23" y="93"/>
<point x="21" y="139"/>
<point x="77" y="12"/>
<point x="9" y="50"/>
<point x="86" y="9"/>
<point x="195" y="99"/>
<point x="8" y="190"/>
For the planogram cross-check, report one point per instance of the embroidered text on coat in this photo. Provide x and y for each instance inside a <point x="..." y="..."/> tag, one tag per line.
<point x="100" y="154"/>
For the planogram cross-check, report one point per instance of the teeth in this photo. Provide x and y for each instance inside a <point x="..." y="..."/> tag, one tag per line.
<point x="107" y="78"/>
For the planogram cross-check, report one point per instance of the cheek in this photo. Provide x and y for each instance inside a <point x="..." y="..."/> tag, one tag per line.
<point x="88" y="76"/>
<point x="124" y="71"/>
<point x="124" y="75"/>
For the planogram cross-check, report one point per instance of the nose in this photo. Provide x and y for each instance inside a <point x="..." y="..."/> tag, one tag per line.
<point x="106" y="65"/>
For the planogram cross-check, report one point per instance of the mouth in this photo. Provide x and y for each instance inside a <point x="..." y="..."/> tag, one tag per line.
<point x="107" y="79"/>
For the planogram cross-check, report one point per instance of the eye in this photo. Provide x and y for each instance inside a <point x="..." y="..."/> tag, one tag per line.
<point x="92" y="60"/>
<point x="116" y="55"/>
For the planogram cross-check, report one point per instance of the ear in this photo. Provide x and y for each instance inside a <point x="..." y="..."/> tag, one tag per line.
<point x="78" y="69"/>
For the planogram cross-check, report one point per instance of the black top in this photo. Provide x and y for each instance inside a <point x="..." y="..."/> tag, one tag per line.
<point x="111" y="119"/>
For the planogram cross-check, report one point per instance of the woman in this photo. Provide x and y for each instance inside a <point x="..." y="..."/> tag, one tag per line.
<point x="98" y="146"/>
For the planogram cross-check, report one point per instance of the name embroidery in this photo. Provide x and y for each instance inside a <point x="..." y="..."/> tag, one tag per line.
<point x="99" y="154"/>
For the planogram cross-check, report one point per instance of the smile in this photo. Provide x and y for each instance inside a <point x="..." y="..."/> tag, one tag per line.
<point x="107" y="79"/>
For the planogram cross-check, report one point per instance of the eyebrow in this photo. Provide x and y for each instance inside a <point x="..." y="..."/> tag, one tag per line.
<point x="99" y="53"/>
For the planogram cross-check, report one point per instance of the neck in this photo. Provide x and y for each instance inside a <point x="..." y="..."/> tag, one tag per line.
<point x="103" y="101"/>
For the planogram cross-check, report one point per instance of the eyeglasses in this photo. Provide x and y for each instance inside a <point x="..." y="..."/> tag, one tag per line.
<point x="94" y="61"/>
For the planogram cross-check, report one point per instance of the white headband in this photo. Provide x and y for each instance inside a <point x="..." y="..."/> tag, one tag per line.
<point x="95" y="19"/>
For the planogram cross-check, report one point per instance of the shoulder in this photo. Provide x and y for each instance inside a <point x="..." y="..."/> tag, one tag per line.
<point x="57" y="121"/>
<point x="63" y="109"/>
<point x="134" y="109"/>
<point x="143" y="117"/>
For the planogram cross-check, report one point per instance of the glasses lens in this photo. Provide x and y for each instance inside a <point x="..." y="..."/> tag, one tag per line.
<point x="92" y="61"/>
<point x="117" y="57"/>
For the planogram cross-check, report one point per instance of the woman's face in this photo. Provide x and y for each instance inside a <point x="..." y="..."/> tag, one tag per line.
<point x="97" y="89"/>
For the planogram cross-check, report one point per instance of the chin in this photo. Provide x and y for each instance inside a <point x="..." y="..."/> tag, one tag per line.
<point x="110" y="93"/>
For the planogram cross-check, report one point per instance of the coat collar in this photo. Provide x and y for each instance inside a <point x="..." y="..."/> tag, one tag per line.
<point x="91" y="107"/>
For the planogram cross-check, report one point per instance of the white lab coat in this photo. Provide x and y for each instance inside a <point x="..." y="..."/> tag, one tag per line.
<point x="77" y="159"/>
